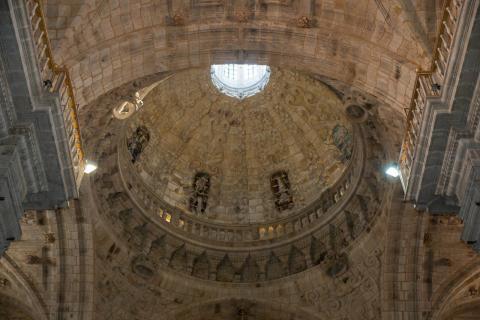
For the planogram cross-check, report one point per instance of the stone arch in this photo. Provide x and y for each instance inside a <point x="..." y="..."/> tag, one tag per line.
<point x="341" y="49"/>
<point x="449" y="299"/>
<point x="89" y="90"/>
<point x="11" y="308"/>
<point x="469" y="310"/>
<point x="231" y="308"/>
<point x="28" y="292"/>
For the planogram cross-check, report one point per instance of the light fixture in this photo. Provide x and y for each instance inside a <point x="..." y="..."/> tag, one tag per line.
<point x="90" y="166"/>
<point x="392" y="171"/>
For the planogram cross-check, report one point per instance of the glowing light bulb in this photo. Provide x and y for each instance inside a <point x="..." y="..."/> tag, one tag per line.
<point x="90" y="167"/>
<point x="392" y="171"/>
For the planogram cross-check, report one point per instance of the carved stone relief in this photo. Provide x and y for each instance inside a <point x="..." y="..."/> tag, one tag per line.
<point x="343" y="140"/>
<point x="287" y="127"/>
<point x="138" y="142"/>
<point x="199" y="198"/>
<point x="316" y="244"/>
<point x="282" y="193"/>
<point x="142" y="266"/>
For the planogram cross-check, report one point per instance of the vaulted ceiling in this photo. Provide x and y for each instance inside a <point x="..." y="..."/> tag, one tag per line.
<point x="133" y="246"/>
<point x="373" y="45"/>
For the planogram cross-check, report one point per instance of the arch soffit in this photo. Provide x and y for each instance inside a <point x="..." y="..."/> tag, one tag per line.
<point x="17" y="305"/>
<point x="15" y="274"/>
<point x="266" y="306"/>
<point x="451" y="289"/>
<point x="459" y="308"/>
<point x="92" y="84"/>
<point x="101" y="57"/>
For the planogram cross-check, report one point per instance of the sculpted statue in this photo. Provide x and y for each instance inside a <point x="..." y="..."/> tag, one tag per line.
<point x="138" y="142"/>
<point x="281" y="190"/>
<point x="201" y="187"/>
<point x="343" y="141"/>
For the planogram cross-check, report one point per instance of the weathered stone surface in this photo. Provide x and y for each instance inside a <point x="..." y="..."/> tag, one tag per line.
<point x="357" y="253"/>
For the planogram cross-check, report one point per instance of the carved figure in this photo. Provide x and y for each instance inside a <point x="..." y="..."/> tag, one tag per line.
<point x="201" y="187"/>
<point x="304" y="22"/>
<point x="281" y="190"/>
<point x="4" y="282"/>
<point x="142" y="266"/>
<point x="49" y="237"/>
<point x="138" y="142"/>
<point x="342" y="139"/>
<point x="354" y="224"/>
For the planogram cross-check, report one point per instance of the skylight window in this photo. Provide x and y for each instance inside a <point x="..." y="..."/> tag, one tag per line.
<point x="240" y="80"/>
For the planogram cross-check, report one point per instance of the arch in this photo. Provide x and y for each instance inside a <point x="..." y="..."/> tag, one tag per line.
<point x="442" y="301"/>
<point x="395" y="92"/>
<point x="29" y="291"/>
<point x="464" y="310"/>
<point x="11" y="308"/>
<point x="103" y="53"/>
<point x="231" y="307"/>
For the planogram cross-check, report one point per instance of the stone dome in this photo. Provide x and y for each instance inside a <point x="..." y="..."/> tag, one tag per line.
<point x="238" y="190"/>
<point x="240" y="161"/>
